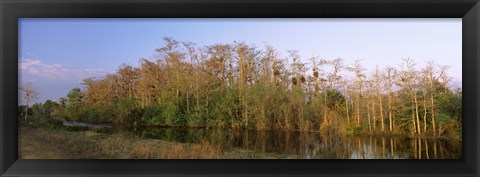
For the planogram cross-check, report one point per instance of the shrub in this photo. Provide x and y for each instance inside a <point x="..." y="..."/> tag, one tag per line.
<point x="152" y="115"/>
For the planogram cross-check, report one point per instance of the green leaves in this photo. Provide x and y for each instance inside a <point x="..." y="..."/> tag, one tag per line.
<point x="243" y="86"/>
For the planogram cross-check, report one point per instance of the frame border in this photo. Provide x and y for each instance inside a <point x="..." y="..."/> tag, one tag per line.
<point x="11" y="10"/>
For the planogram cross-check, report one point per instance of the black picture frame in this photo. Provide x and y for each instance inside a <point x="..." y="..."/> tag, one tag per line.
<point x="11" y="10"/>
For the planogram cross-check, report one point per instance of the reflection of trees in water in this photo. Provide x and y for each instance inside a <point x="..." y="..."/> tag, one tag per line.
<point x="333" y="147"/>
<point x="301" y="145"/>
<point x="312" y="145"/>
<point x="381" y="147"/>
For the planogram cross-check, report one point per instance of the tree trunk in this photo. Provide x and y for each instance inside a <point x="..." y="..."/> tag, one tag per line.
<point x="390" y="111"/>
<point x="382" y="121"/>
<point x="26" y="111"/>
<point x="368" y="116"/>
<point x="414" y="128"/>
<point x="374" y="116"/>
<point x="177" y="94"/>
<point x="424" y="113"/>
<point x="358" y="110"/>
<point x="346" y="106"/>
<point x="379" y="95"/>
<point x="416" y="114"/>
<point x="325" y="118"/>
<point x="433" y="106"/>
<point x="433" y="116"/>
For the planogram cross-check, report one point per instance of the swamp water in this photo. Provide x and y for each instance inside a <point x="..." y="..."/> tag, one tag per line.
<point x="304" y="145"/>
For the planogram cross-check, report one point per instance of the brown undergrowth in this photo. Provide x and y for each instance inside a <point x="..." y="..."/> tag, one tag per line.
<point x="35" y="143"/>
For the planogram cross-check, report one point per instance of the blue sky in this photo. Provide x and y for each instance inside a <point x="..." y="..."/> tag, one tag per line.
<point x="57" y="54"/>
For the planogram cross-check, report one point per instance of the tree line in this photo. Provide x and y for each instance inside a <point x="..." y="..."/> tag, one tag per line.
<point x="242" y="86"/>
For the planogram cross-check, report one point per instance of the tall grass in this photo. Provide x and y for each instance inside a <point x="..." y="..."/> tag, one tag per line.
<point x="92" y="145"/>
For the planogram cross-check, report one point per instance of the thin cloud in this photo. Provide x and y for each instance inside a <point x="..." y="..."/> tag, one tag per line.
<point x="57" y="71"/>
<point x="30" y="54"/>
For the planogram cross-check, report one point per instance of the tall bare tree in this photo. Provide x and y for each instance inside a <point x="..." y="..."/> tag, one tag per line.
<point x="379" y="93"/>
<point x="390" y="75"/>
<point x="358" y="69"/>
<point x="29" y="93"/>
<point x="409" y="81"/>
<point x="430" y="72"/>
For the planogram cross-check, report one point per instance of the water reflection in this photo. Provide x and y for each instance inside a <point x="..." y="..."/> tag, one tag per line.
<point x="312" y="145"/>
<point x="89" y="125"/>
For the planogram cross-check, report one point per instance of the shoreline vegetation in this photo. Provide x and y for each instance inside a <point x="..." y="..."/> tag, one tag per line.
<point x="62" y="143"/>
<point x="239" y="86"/>
<point x="390" y="134"/>
<point x="242" y="86"/>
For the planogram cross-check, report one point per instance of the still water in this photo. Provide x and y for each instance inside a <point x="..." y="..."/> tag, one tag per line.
<point x="308" y="145"/>
<point x="305" y="145"/>
<point x="83" y="124"/>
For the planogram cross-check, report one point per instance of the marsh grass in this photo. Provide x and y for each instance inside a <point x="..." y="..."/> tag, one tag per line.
<point x="92" y="145"/>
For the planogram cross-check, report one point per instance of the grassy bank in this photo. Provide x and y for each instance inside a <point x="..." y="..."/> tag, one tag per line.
<point x="60" y="143"/>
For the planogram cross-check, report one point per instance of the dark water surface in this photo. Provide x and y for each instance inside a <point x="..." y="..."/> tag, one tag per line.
<point x="309" y="145"/>
<point x="83" y="124"/>
<point x="304" y="145"/>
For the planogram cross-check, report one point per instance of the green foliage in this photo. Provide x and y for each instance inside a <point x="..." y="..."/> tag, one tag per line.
<point x="41" y="114"/>
<point x="225" y="108"/>
<point x="444" y="117"/>
<point x="335" y="99"/>
<point x="135" y="117"/>
<point x="152" y="116"/>
<point x="170" y="110"/>
<point x="240" y="86"/>
<point x="75" y="96"/>
<point x="21" y="113"/>
<point x="450" y="102"/>
<point x="74" y="107"/>
<point x="48" y="107"/>
<point x="125" y="108"/>
<point x="315" y="110"/>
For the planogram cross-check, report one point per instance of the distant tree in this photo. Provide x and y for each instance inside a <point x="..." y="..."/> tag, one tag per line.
<point x="29" y="94"/>
<point x="389" y="77"/>
<point x="409" y="82"/>
<point x="74" y="105"/>
<point x="173" y="57"/>
<point x="337" y="66"/>
<point x="379" y="93"/>
<point x="48" y="107"/>
<point x="241" y="86"/>
<point x="358" y="69"/>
